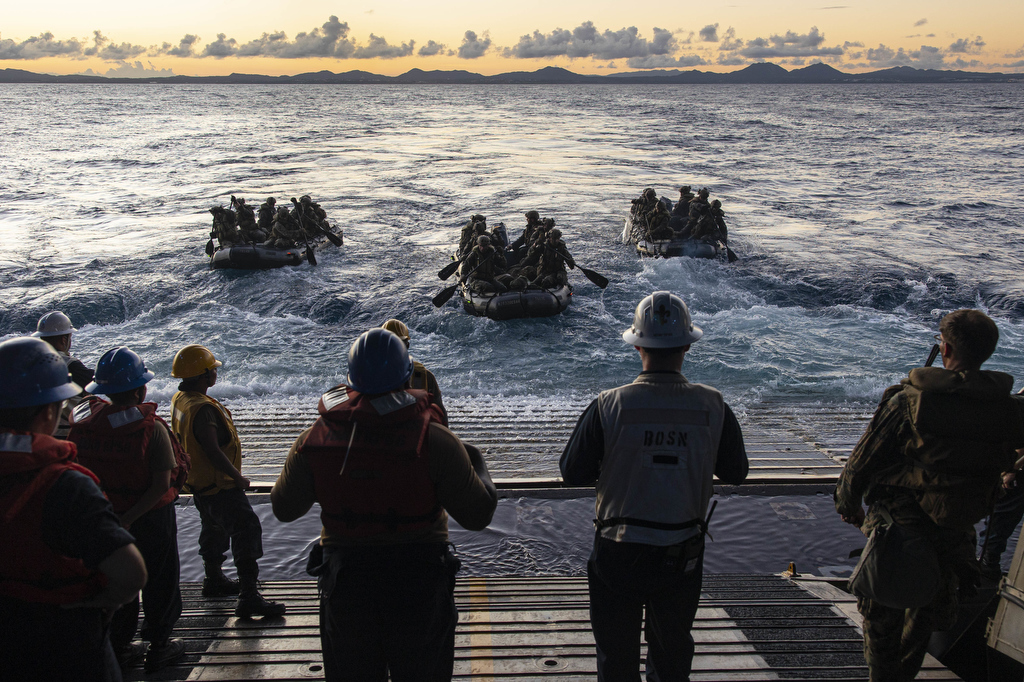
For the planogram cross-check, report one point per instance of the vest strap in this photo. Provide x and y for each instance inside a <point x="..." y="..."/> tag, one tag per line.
<point x="392" y="521"/>
<point x="600" y="524"/>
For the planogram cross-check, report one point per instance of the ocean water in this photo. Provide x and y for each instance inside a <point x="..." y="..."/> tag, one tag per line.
<point x="861" y="214"/>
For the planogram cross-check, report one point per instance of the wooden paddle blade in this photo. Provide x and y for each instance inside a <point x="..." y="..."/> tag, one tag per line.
<point x="335" y="239"/>
<point x="444" y="296"/>
<point x="449" y="270"/>
<point x="309" y="255"/>
<point x="598" y="279"/>
<point x="209" y="248"/>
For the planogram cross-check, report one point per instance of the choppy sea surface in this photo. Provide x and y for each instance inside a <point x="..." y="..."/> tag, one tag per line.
<point x="861" y="214"/>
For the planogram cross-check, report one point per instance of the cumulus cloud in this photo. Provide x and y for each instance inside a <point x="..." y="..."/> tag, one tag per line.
<point x="967" y="46"/>
<point x="104" y="49"/>
<point x="660" y="61"/>
<point x="329" y="40"/>
<point x="38" y="47"/>
<point x="790" y="45"/>
<point x="134" y="70"/>
<point x="709" y="34"/>
<point x="473" y="46"/>
<point x="186" y="47"/>
<point x="586" y="40"/>
<point x="431" y="48"/>
<point x="920" y="22"/>
<point x="730" y="42"/>
<point x="379" y="48"/>
<point x="220" y="48"/>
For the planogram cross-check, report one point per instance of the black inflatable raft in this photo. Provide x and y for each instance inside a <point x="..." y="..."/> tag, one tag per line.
<point x="255" y="257"/>
<point x="509" y="305"/>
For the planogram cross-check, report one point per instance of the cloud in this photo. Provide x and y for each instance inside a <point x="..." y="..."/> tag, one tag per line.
<point x="328" y="40"/>
<point x="135" y="70"/>
<point x="659" y="61"/>
<point x="186" y="47"/>
<point x="709" y="34"/>
<point x="38" y="47"/>
<point x="430" y="49"/>
<point x="920" y="22"/>
<point x="730" y="42"/>
<point x="220" y="48"/>
<point x="104" y="49"/>
<point x="790" y="45"/>
<point x="587" y="41"/>
<point x="473" y="47"/>
<point x="379" y="48"/>
<point x="966" y="46"/>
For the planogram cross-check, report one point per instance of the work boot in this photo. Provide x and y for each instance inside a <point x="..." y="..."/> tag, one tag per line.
<point x="163" y="654"/>
<point x="990" y="569"/>
<point x="216" y="584"/>
<point x="252" y="603"/>
<point x="130" y="655"/>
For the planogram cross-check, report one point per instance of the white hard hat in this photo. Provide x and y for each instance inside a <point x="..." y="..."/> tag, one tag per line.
<point x="54" y="323"/>
<point x="662" y="320"/>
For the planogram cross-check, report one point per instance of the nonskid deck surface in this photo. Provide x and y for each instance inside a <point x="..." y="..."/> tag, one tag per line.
<point x="522" y="439"/>
<point x="749" y="627"/>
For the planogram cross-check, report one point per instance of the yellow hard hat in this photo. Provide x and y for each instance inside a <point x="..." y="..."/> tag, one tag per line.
<point x="193" y="360"/>
<point x="398" y="328"/>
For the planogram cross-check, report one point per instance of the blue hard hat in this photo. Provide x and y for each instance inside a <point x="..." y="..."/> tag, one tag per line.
<point x="33" y="373"/>
<point x="378" y="362"/>
<point x="119" y="370"/>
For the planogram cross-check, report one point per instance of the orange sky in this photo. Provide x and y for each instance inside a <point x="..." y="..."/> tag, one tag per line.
<point x="219" y="37"/>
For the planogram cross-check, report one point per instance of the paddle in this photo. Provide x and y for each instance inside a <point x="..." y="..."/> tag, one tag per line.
<point x="600" y="280"/>
<point x="449" y="291"/>
<point x="209" y="248"/>
<point x="448" y="270"/>
<point x="335" y="239"/>
<point x="731" y="255"/>
<point x="309" y="249"/>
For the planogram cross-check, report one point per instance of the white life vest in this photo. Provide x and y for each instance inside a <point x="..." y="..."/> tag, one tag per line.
<point x="661" y="436"/>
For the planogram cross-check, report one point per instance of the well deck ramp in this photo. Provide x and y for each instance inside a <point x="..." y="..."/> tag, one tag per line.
<point x="749" y="627"/>
<point x="787" y="442"/>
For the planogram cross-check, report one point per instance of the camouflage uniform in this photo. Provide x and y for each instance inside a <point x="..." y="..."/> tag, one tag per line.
<point x="224" y="230"/>
<point x="553" y="259"/>
<point x="285" y="232"/>
<point x="711" y="225"/>
<point x="246" y="218"/>
<point x="681" y="211"/>
<point x="526" y="238"/>
<point x="309" y="214"/>
<point x="932" y="457"/>
<point x="265" y="221"/>
<point x="476" y="226"/>
<point x="481" y="271"/>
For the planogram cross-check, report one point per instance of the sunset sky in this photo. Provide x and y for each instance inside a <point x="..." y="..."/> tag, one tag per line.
<point x="218" y="37"/>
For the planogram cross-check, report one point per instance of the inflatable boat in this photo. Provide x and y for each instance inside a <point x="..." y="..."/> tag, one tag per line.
<point x="667" y="248"/>
<point x="509" y="305"/>
<point x="255" y="257"/>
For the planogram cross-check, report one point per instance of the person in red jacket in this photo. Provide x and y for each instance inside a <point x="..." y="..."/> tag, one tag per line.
<point x="386" y="473"/>
<point x="131" y="450"/>
<point x="65" y="560"/>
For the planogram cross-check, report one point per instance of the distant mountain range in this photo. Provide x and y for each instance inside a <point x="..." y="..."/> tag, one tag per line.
<point x="765" y="73"/>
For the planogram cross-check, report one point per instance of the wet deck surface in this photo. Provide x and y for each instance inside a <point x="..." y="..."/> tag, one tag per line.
<point x="786" y="442"/>
<point x="749" y="627"/>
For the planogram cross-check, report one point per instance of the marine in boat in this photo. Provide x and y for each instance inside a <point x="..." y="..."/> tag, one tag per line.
<point x="276" y="238"/>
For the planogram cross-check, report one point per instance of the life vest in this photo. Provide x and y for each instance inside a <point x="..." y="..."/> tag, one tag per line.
<point x="965" y="428"/>
<point x="203" y="478"/>
<point x="369" y="457"/>
<point x="661" y="436"/>
<point x="29" y="570"/>
<point x="112" y="441"/>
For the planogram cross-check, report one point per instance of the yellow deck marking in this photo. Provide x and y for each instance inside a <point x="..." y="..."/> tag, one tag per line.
<point x="481" y="643"/>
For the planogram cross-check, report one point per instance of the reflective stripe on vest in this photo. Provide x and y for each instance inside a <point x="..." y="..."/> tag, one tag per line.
<point x="661" y="437"/>
<point x="113" y="441"/>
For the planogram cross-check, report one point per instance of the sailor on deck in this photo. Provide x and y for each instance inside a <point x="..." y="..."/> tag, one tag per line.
<point x="65" y="560"/>
<point x="386" y="474"/>
<point x="652" y="446"/>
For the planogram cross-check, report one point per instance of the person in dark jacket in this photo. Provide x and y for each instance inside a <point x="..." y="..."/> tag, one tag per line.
<point x="386" y="474"/>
